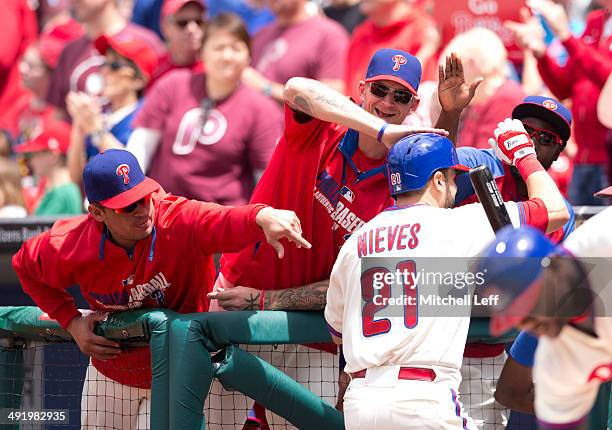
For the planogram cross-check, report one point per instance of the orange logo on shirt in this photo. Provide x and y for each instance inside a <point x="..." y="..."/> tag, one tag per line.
<point x="123" y="170"/>
<point x="399" y="60"/>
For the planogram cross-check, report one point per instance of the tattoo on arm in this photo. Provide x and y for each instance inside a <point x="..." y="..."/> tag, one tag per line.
<point x="310" y="297"/>
<point x="302" y="104"/>
<point x="252" y="303"/>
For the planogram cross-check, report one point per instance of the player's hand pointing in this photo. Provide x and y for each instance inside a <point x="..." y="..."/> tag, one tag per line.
<point x="81" y="328"/>
<point x="277" y="224"/>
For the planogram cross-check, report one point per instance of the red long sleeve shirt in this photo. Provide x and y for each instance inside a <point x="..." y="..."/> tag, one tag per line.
<point x="172" y="268"/>
<point x="588" y="67"/>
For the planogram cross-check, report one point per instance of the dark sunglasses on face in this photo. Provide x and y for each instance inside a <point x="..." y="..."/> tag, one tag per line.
<point x="399" y="96"/>
<point x="115" y="65"/>
<point x="544" y="137"/>
<point x="131" y="208"/>
<point x="183" y="23"/>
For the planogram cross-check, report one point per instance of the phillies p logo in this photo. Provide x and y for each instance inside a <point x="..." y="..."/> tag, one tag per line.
<point x="399" y="60"/>
<point x="124" y="170"/>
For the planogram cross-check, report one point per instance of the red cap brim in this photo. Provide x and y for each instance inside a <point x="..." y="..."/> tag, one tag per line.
<point x="132" y="195"/>
<point x="393" y="79"/>
<point x="460" y="167"/>
<point x="30" y="147"/>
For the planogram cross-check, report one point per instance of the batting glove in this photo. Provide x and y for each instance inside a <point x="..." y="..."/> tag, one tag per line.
<point x="511" y="141"/>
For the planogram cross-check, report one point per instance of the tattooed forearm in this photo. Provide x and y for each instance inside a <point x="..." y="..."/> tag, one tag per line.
<point x="251" y="303"/>
<point x="310" y="297"/>
<point x="303" y="104"/>
<point x="333" y="101"/>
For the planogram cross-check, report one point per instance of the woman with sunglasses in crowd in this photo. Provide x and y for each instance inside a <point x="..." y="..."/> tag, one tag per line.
<point x="205" y="135"/>
<point x="106" y="122"/>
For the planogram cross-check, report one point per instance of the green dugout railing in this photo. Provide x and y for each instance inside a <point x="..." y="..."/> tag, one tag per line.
<point x="189" y="350"/>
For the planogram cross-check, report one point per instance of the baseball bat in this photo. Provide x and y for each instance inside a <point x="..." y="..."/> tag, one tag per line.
<point x="490" y="197"/>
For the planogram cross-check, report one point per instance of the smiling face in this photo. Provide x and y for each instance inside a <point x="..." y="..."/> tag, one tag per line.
<point x="386" y="107"/>
<point x="127" y="228"/>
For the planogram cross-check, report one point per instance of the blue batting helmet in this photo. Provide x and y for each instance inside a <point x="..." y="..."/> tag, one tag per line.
<point x="413" y="160"/>
<point x="513" y="265"/>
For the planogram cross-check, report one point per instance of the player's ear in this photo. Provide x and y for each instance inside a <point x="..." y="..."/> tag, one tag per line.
<point x="414" y="104"/>
<point x="362" y="89"/>
<point x="96" y="212"/>
<point x="438" y="180"/>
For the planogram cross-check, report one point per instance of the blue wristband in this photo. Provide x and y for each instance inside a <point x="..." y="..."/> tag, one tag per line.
<point x="381" y="132"/>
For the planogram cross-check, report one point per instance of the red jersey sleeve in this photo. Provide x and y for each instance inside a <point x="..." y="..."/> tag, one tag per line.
<point x="558" y="79"/>
<point x="589" y="60"/>
<point x="40" y="272"/>
<point x="223" y="228"/>
<point x="311" y="132"/>
<point x="534" y="213"/>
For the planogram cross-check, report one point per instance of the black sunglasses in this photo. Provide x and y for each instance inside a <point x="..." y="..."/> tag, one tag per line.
<point x="183" y="23"/>
<point x="544" y="137"/>
<point x="132" y="207"/>
<point x="399" y="96"/>
<point x="115" y="65"/>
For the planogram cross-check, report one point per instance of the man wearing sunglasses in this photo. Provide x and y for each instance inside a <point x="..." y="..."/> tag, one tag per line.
<point x="182" y="24"/>
<point x="138" y="248"/>
<point x="547" y="122"/>
<point x="328" y="167"/>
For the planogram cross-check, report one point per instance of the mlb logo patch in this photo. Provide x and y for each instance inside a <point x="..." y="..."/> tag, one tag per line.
<point x="128" y="281"/>
<point x="347" y="194"/>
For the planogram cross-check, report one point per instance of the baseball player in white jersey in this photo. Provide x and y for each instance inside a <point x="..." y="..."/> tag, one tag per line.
<point x="574" y="353"/>
<point x="405" y="369"/>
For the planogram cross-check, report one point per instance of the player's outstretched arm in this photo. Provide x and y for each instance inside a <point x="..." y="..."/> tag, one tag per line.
<point x="454" y="94"/>
<point x="513" y="146"/>
<point x="310" y="297"/>
<point x="319" y="101"/>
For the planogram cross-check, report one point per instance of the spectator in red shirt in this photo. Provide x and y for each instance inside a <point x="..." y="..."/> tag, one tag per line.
<point x="205" y="135"/>
<point x="18" y="23"/>
<point x="582" y="78"/>
<point x="391" y="23"/>
<point x="297" y="44"/>
<point x="79" y="64"/>
<point x="483" y="55"/>
<point x="182" y="24"/>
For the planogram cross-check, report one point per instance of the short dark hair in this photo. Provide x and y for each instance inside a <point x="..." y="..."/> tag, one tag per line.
<point x="230" y="23"/>
<point x="421" y="191"/>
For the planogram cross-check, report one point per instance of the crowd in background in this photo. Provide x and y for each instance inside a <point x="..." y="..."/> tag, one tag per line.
<point x="194" y="90"/>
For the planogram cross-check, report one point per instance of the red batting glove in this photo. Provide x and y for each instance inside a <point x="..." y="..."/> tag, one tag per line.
<point x="512" y="143"/>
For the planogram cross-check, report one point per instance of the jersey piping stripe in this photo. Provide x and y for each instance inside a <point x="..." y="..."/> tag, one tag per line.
<point x="333" y="331"/>
<point x="458" y="409"/>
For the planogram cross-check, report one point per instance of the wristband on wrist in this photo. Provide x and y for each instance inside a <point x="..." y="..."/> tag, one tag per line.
<point x="267" y="89"/>
<point x="262" y="300"/>
<point x="381" y="132"/>
<point x="528" y="165"/>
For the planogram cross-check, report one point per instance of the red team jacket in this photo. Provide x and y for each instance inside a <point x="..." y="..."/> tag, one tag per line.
<point x="172" y="268"/>
<point x="589" y="65"/>
<point x="318" y="171"/>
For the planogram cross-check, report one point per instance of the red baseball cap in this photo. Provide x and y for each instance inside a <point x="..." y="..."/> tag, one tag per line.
<point x="52" y="42"/>
<point x="171" y="7"/>
<point x="136" y="50"/>
<point x="51" y="136"/>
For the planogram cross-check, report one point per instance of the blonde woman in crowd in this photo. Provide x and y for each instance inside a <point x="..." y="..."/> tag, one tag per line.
<point x="11" y="198"/>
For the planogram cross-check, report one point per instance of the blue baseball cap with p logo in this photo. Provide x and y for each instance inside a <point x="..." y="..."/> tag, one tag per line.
<point x="547" y="109"/>
<point x="114" y="179"/>
<point x="397" y="66"/>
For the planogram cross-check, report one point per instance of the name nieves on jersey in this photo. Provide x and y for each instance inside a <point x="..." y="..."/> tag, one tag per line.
<point x="388" y="238"/>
